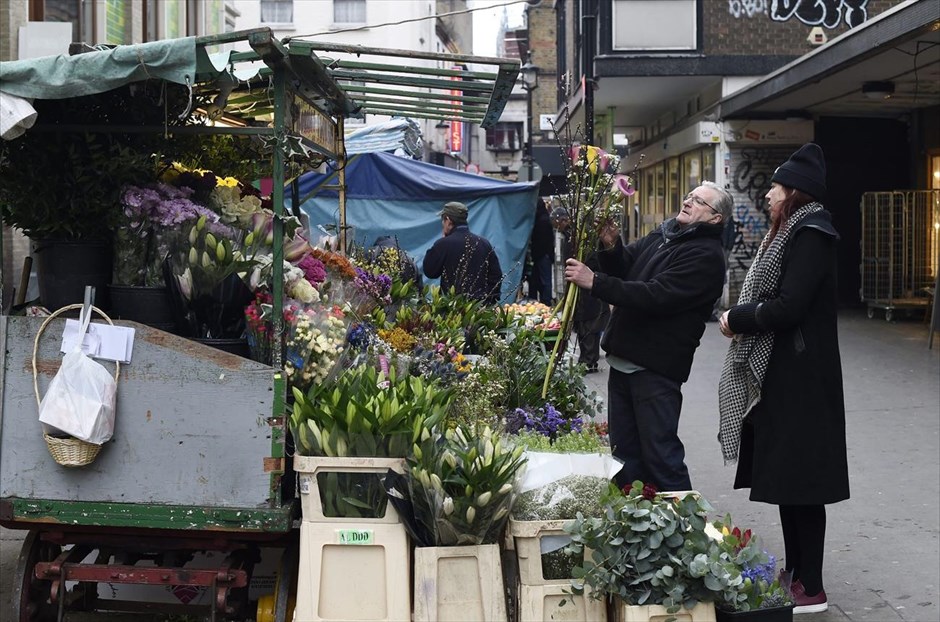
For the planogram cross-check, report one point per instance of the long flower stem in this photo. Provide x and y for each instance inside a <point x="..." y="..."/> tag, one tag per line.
<point x="564" y="332"/>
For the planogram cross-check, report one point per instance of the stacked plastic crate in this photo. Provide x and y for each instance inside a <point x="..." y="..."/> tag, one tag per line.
<point x="355" y="566"/>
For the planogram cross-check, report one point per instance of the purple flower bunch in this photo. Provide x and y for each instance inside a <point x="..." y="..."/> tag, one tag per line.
<point x="547" y="421"/>
<point x="161" y="204"/>
<point x="766" y="572"/>
<point x="376" y="286"/>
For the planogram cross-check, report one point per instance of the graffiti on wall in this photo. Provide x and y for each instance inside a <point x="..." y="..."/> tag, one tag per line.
<point x="750" y="171"/>
<point x="748" y="8"/>
<point x="828" y="13"/>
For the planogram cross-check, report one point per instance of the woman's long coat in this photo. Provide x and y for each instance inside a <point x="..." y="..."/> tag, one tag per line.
<point x="793" y="449"/>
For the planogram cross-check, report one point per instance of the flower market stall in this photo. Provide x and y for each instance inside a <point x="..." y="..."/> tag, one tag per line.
<point x="195" y="491"/>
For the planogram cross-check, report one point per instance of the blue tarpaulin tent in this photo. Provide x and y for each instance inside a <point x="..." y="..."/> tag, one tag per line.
<point x="390" y="195"/>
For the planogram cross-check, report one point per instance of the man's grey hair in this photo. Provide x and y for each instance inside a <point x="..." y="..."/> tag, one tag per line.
<point x="725" y="203"/>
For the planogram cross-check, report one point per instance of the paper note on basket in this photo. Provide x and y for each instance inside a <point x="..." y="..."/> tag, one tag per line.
<point x="102" y="341"/>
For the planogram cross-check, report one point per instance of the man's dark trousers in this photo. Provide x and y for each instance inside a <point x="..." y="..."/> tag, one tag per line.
<point x="643" y="415"/>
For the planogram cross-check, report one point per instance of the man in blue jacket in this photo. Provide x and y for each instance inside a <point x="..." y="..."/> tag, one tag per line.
<point x="463" y="260"/>
<point x="663" y="288"/>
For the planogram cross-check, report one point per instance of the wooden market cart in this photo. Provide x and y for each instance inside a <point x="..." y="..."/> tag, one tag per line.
<point x="199" y="465"/>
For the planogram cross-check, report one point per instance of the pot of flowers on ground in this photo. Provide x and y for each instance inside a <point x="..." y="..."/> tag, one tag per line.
<point x="763" y="595"/>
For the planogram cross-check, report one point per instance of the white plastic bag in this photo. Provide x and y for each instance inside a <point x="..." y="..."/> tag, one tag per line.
<point x="81" y="397"/>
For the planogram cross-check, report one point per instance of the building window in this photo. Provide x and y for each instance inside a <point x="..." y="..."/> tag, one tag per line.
<point x="117" y="22"/>
<point x="504" y="137"/>
<point x="173" y="20"/>
<point x="277" y="11"/>
<point x="73" y="11"/>
<point x="349" y="11"/>
<point x="638" y="25"/>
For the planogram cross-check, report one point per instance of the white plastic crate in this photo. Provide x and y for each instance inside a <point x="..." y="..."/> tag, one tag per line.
<point x="310" y="469"/>
<point x="702" y="612"/>
<point x="353" y="572"/>
<point x="459" y="583"/>
<point x="530" y="540"/>
<point x="537" y="603"/>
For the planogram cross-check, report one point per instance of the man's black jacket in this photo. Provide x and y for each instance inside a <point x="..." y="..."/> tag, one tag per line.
<point x="467" y="262"/>
<point x="663" y="288"/>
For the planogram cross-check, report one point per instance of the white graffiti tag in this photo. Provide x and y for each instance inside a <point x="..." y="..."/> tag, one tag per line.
<point x="826" y="12"/>
<point x="747" y="8"/>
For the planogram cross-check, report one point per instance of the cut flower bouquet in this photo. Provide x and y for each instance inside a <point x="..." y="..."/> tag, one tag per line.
<point x="140" y="243"/>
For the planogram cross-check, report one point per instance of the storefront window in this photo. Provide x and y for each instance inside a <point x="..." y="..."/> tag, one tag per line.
<point x="672" y="188"/>
<point x="691" y="172"/>
<point x="708" y="163"/>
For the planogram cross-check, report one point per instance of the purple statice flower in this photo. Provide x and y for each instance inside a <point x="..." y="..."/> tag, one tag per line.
<point x="515" y="420"/>
<point x="313" y="268"/>
<point x="548" y="421"/>
<point x="361" y="335"/>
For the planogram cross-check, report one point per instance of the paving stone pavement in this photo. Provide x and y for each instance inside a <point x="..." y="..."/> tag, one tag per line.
<point x="882" y="545"/>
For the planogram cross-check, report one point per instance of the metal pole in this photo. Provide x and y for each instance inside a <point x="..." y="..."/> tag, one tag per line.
<point x="588" y="47"/>
<point x="341" y="177"/>
<point x="277" y="199"/>
<point x="528" y="142"/>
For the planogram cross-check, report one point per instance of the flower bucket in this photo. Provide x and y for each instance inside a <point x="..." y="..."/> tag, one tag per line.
<point x="233" y="345"/>
<point x="65" y="267"/>
<point x="144" y="304"/>
<point x="770" y="614"/>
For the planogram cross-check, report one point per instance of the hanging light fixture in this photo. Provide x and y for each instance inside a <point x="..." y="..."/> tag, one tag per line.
<point x="878" y="89"/>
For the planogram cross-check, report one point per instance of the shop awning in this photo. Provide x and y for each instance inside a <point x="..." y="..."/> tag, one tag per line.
<point x="378" y="81"/>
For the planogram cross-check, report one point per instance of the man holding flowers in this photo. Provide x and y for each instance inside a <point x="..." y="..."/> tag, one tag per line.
<point x="663" y="288"/>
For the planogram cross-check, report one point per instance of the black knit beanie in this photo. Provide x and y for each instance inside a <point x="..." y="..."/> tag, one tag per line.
<point x="805" y="170"/>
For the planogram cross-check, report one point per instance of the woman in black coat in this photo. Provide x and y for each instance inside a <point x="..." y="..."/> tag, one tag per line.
<point x="780" y="394"/>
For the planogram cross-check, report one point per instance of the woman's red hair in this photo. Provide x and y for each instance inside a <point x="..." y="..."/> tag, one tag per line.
<point x="794" y="200"/>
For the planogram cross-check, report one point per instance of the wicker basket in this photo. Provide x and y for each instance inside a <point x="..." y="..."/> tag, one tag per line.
<point x="67" y="451"/>
<point x="71" y="452"/>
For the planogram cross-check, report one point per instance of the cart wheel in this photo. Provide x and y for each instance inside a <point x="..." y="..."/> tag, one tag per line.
<point x="31" y="596"/>
<point x="871" y="312"/>
<point x="889" y="315"/>
<point x="285" y="593"/>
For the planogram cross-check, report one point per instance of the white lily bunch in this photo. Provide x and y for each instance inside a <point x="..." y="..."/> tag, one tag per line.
<point x="463" y="484"/>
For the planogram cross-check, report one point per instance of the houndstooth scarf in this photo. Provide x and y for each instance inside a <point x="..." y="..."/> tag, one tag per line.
<point x="739" y="389"/>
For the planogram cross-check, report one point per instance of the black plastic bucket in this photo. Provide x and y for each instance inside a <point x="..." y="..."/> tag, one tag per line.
<point x="65" y="267"/>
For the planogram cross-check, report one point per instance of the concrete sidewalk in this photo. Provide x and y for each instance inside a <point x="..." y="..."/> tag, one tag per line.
<point x="882" y="549"/>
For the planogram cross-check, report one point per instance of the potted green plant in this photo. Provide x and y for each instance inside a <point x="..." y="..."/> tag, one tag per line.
<point x="62" y="187"/>
<point x="648" y="551"/>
